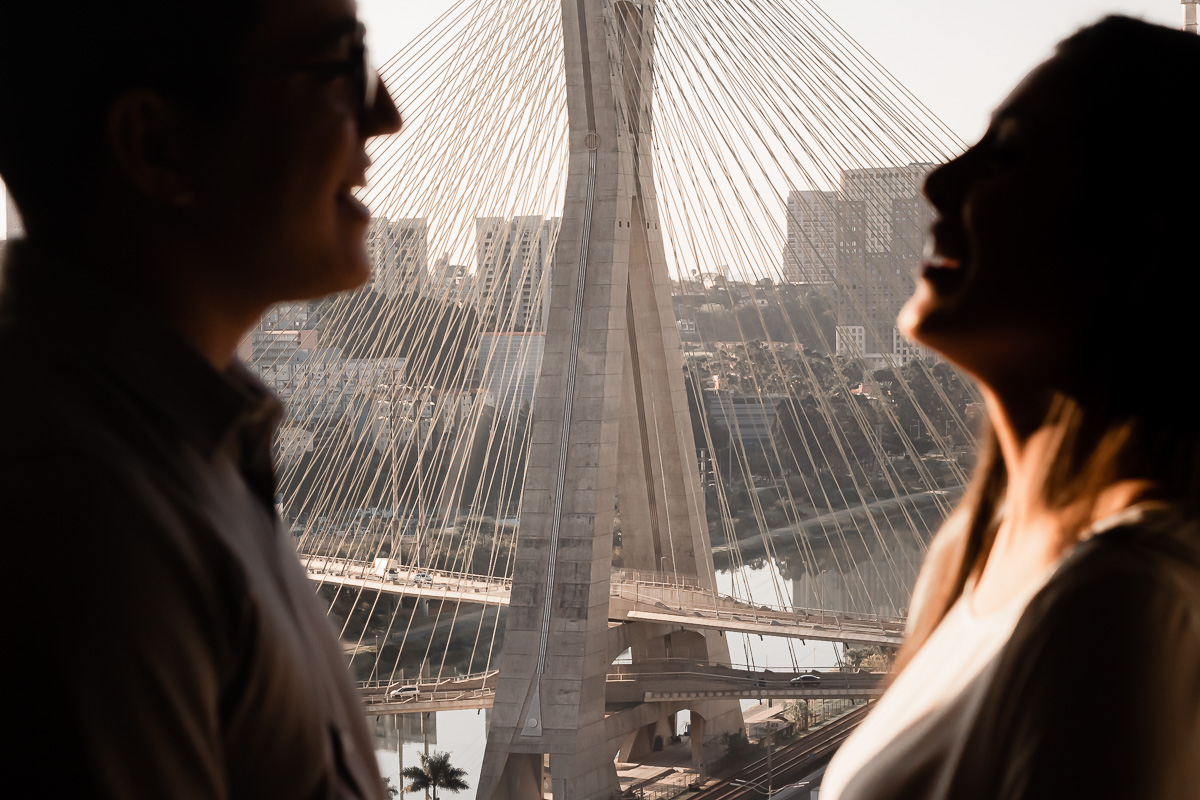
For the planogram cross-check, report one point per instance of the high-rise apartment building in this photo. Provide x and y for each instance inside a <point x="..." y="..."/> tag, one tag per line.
<point x="450" y="281"/>
<point x="399" y="251"/>
<point x="810" y="255"/>
<point x="882" y="223"/>
<point x="513" y="257"/>
<point x="509" y="365"/>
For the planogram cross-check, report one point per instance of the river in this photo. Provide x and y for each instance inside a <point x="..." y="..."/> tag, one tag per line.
<point x="859" y="579"/>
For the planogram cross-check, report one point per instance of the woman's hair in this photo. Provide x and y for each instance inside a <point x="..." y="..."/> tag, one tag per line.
<point x="1132" y="116"/>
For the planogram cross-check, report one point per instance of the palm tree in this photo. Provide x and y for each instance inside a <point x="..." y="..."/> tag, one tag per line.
<point x="436" y="772"/>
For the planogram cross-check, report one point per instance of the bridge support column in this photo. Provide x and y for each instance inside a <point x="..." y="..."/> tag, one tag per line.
<point x="611" y="425"/>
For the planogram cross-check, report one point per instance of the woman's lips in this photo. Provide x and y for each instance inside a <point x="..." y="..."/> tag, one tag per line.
<point x="355" y="207"/>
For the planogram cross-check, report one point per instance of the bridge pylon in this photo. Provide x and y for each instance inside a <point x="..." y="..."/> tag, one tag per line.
<point x="611" y="425"/>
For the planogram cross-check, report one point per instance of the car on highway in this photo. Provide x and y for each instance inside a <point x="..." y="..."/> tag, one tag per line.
<point x="805" y="680"/>
<point x="393" y="575"/>
<point x="404" y="691"/>
<point x="423" y="577"/>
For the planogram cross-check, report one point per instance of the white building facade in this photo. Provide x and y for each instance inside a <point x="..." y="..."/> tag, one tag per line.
<point x="810" y="255"/>
<point x="513" y="257"/>
<point x="399" y="251"/>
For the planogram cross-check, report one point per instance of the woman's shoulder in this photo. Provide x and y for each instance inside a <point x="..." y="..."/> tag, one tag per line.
<point x="1143" y="561"/>
<point x="1119" y="619"/>
<point x="1125" y="602"/>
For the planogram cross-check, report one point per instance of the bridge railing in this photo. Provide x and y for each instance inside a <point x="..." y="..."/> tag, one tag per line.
<point x="433" y="683"/>
<point x="653" y="577"/>
<point x="438" y="696"/>
<point x="327" y="565"/>
<point x="668" y="667"/>
<point x="658" y="592"/>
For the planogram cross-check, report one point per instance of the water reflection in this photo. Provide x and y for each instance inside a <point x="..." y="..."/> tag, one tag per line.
<point x="400" y="739"/>
<point x="866" y="564"/>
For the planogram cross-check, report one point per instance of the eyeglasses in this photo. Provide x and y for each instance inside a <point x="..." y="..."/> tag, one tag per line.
<point x="357" y="66"/>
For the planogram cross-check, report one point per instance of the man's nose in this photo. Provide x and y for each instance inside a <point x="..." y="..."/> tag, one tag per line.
<point x="383" y="117"/>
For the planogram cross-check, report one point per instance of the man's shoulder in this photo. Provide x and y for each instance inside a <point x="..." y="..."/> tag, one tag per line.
<point x="60" y="400"/>
<point x="47" y="386"/>
<point x="72" y="471"/>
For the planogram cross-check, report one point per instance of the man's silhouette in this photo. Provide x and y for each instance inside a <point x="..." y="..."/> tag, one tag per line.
<point x="180" y="166"/>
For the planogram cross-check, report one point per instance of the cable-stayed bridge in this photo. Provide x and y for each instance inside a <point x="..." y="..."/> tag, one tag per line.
<point x="632" y="323"/>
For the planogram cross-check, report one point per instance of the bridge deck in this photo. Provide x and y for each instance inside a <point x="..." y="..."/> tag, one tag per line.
<point x="670" y="681"/>
<point x="631" y="599"/>
<point x="409" y="582"/>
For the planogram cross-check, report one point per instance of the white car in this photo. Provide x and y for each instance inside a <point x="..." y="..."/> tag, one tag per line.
<point x="404" y="691"/>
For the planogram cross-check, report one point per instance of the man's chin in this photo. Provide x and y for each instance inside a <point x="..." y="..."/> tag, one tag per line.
<point x="328" y="278"/>
<point x="356" y="275"/>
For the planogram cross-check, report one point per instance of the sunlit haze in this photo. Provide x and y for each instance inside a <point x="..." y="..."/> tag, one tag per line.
<point x="960" y="57"/>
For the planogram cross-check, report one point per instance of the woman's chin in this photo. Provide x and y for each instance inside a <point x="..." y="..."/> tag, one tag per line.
<point x="917" y="313"/>
<point x="930" y="320"/>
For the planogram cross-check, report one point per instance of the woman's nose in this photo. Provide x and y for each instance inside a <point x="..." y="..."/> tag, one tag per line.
<point x="946" y="183"/>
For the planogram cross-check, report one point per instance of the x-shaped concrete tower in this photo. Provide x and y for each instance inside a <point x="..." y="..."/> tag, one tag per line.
<point x="611" y="426"/>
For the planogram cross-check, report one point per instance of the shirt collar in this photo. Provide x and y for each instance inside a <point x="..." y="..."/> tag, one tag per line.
<point x="67" y="303"/>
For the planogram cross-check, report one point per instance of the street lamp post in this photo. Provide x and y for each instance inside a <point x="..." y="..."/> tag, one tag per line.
<point x="423" y="435"/>
<point x="395" y="554"/>
<point x="770" y="773"/>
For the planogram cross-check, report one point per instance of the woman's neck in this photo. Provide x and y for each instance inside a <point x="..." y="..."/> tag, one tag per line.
<point x="1035" y="529"/>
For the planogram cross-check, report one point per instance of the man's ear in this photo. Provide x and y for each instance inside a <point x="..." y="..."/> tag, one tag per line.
<point x="146" y="135"/>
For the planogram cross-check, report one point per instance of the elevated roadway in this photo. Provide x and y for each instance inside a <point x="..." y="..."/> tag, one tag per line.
<point x="458" y="587"/>
<point x="667" y="681"/>
<point x="675" y="680"/>
<point x="632" y="597"/>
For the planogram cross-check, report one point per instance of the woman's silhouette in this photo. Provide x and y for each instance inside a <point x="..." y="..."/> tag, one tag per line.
<point x="1054" y="644"/>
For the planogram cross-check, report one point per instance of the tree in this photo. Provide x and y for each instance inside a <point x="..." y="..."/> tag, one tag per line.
<point x="797" y="711"/>
<point x="436" y="772"/>
<point x="374" y="325"/>
<point x="736" y="744"/>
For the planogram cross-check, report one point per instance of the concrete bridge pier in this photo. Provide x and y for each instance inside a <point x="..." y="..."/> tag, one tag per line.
<point x="611" y="425"/>
<point x="522" y="776"/>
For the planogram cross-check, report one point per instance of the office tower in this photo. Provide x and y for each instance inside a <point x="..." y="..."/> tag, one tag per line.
<point x="512" y="258"/>
<point x="882" y="223"/>
<point x="810" y="255"/>
<point x="399" y="254"/>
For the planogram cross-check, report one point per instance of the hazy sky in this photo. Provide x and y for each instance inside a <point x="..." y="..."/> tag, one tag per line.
<point x="960" y="57"/>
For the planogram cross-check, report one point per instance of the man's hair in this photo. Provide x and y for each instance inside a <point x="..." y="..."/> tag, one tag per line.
<point x="65" y="62"/>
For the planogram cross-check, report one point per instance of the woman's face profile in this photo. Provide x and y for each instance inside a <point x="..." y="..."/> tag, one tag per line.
<point x="1001" y="292"/>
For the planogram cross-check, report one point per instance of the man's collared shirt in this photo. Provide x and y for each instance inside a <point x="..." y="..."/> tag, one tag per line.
<point x="167" y="643"/>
